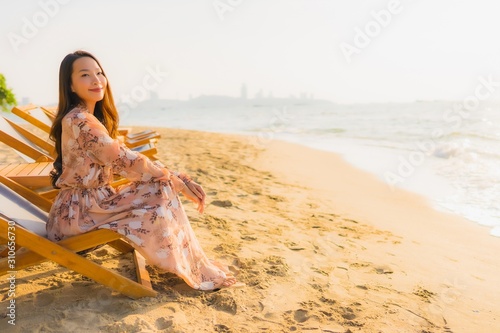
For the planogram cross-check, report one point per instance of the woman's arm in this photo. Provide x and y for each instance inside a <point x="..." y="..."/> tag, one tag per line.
<point x="93" y="138"/>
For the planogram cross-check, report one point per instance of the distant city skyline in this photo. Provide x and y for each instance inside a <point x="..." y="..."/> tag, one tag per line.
<point x="153" y="95"/>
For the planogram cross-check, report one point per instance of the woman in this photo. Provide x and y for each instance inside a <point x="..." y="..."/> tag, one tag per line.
<point x="147" y="210"/>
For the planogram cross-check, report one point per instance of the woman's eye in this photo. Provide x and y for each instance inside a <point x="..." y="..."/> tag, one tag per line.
<point x="100" y="73"/>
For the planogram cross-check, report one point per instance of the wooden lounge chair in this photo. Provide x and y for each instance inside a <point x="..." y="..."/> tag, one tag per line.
<point x="39" y="118"/>
<point x="134" y="143"/>
<point x="26" y="222"/>
<point x="32" y="175"/>
<point x="50" y="112"/>
<point x="36" y="175"/>
<point x="45" y="144"/>
<point x="146" y="147"/>
<point x="35" y="172"/>
<point x="35" y="198"/>
<point x="25" y="148"/>
<point x="138" y="135"/>
<point x="35" y="117"/>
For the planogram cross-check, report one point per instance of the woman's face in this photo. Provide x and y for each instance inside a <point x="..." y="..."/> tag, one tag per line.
<point x="88" y="81"/>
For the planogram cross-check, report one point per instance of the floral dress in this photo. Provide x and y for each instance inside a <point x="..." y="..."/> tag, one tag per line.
<point x="146" y="210"/>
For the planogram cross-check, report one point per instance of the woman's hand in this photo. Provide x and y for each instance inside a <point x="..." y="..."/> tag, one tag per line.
<point x="197" y="190"/>
<point x="190" y="190"/>
<point x="188" y="193"/>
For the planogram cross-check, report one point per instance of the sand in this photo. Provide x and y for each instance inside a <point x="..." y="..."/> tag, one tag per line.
<point x="320" y="245"/>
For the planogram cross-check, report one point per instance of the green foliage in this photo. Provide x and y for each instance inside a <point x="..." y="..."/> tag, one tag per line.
<point x="7" y="97"/>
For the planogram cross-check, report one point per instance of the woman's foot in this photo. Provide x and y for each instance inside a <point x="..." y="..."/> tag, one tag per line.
<point x="230" y="281"/>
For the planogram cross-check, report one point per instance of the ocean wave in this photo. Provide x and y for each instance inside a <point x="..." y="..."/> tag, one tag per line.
<point x="473" y="135"/>
<point x="322" y="131"/>
<point x="449" y="149"/>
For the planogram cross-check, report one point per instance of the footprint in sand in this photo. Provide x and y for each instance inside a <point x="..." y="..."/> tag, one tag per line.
<point x="129" y="325"/>
<point x="52" y="283"/>
<point x="219" y="328"/>
<point x="347" y="313"/>
<point x="384" y="269"/>
<point x="164" y="323"/>
<point x="101" y="253"/>
<point x="221" y="301"/>
<point x="222" y="203"/>
<point x="71" y="320"/>
<point x="43" y="299"/>
<point x="214" y="222"/>
<point x="103" y="298"/>
<point x="277" y="266"/>
<point x="248" y="237"/>
<point x="301" y="315"/>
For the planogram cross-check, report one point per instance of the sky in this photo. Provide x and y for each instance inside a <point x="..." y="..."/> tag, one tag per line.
<point x="346" y="51"/>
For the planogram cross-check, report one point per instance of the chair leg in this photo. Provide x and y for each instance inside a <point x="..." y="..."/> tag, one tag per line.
<point x="67" y="258"/>
<point x="140" y="268"/>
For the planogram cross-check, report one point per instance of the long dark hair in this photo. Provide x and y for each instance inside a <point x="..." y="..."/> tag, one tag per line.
<point x="105" y="109"/>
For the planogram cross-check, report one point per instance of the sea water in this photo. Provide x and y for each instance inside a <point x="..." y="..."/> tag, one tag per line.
<point x="435" y="148"/>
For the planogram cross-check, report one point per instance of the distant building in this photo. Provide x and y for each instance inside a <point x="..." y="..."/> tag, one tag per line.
<point x="243" y="94"/>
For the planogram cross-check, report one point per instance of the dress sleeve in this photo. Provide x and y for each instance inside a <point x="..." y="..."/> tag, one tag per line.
<point x="91" y="136"/>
